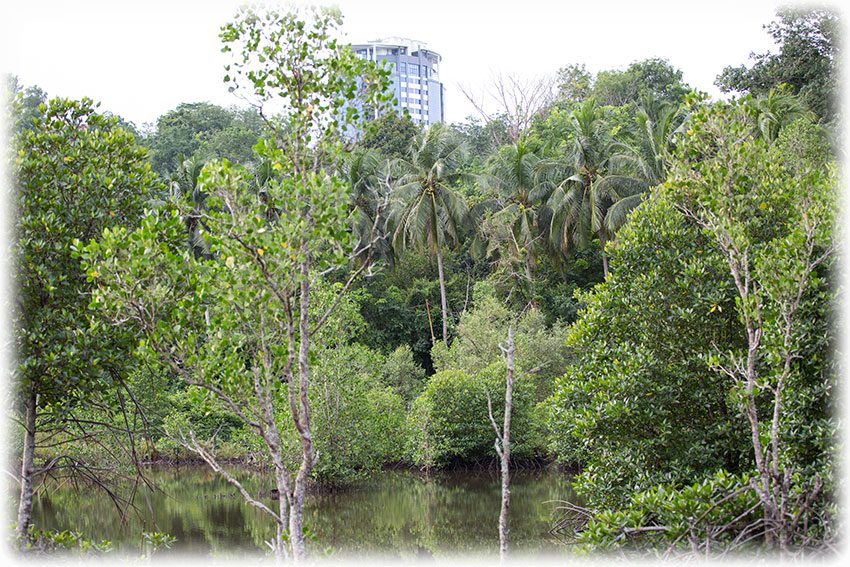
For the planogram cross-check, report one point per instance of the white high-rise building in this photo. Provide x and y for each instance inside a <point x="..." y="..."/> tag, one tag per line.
<point x="415" y="75"/>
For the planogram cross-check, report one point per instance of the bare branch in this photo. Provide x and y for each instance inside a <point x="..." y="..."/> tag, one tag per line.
<point x="518" y="102"/>
<point x="193" y="445"/>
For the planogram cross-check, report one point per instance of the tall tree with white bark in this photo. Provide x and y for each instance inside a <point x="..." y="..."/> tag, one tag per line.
<point x="503" y="443"/>
<point x="238" y="327"/>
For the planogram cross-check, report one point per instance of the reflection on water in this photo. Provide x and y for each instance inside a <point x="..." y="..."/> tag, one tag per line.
<point x="399" y="513"/>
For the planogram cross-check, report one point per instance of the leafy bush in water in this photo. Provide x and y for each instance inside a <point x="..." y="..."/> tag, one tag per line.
<point x="640" y="405"/>
<point x="538" y="348"/>
<point x="666" y="519"/>
<point x="448" y="422"/>
<point x="357" y="421"/>
<point x="55" y="541"/>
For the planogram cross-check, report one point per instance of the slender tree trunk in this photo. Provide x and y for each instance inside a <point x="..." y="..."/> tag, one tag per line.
<point x="308" y="455"/>
<point x="443" y="296"/>
<point x="282" y="484"/>
<point x="505" y="453"/>
<point x="503" y="443"/>
<point x="28" y="458"/>
<point x="530" y="279"/>
<point x="283" y="487"/>
<point x="602" y="241"/>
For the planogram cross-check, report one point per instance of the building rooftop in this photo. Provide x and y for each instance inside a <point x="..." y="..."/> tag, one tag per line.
<point x="412" y="45"/>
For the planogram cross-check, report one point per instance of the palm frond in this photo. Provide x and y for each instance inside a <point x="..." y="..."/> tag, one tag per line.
<point x="618" y="213"/>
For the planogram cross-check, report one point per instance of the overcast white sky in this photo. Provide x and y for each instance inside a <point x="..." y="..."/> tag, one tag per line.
<point x="142" y="58"/>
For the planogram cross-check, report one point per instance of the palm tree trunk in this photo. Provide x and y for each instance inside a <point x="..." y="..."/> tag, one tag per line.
<point x="443" y="296"/>
<point x="530" y="279"/>
<point x="28" y="458"/>
<point x="602" y="241"/>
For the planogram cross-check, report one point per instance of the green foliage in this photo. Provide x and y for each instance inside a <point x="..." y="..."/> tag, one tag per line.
<point x="540" y="350"/>
<point x="23" y="104"/>
<point x="510" y="224"/>
<point x="479" y="138"/>
<point x="646" y="402"/>
<point x="356" y="418"/>
<point x="652" y="77"/>
<point x="63" y="542"/>
<point x="357" y="421"/>
<point x="449" y="424"/>
<point x="235" y="142"/>
<point x="664" y="519"/>
<point x="205" y="132"/>
<point x="192" y="411"/>
<point x="640" y="404"/>
<point x="659" y="123"/>
<point x="806" y="63"/>
<point x="655" y="77"/>
<point x="428" y="214"/>
<point x="180" y="132"/>
<point x="801" y="143"/>
<point x="157" y="541"/>
<point x="238" y="325"/>
<point x="574" y="84"/>
<point x="402" y="374"/>
<point x="597" y="188"/>
<point x="772" y="213"/>
<point x="394" y="307"/>
<point x="392" y="135"/>
<point x="325" y="84"/>
<point x="76" y="173"/>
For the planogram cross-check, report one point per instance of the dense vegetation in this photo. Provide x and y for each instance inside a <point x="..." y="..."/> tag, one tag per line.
<point x="267" y="288"/>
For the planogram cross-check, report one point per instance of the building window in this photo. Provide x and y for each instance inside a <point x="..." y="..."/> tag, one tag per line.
<point x="404" y="68"/>
<point x="413" y="69"/>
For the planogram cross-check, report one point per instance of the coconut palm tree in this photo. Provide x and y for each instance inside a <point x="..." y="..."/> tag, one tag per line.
<point x="659" y="123"/>
<point x="183" y="183"/>
<point x="583" y="204"/>
<point x="514" y="225"/>
<point x="426" y="213"/>
<point x="777" y="110"/>
<point x="367" y="173"/>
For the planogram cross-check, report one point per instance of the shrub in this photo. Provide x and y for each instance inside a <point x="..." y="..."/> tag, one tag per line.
<point x="448" y="423"/>
<point x="538" y="348"/>
<point x="402" y="374"/>
<point x="357" y="421"/>
<point x="640" y="405"/>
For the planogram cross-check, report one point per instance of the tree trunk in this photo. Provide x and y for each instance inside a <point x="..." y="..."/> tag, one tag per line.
<point x="505" y="453"/>
<point x="282" y="484"/>
<point x="308" y="455"/>
<point x="528" y="275"/>
<point x="443" y="296"/>
<point x="27" y="461"/>
<point x="602" y="242"/>
<point x="283" y="488"/>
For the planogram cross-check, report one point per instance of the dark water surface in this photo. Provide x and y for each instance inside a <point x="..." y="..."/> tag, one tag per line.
<point x="394" y="513"/>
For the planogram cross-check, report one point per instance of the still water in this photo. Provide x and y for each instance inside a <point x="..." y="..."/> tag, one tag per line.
<point x="395" y="513"/>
